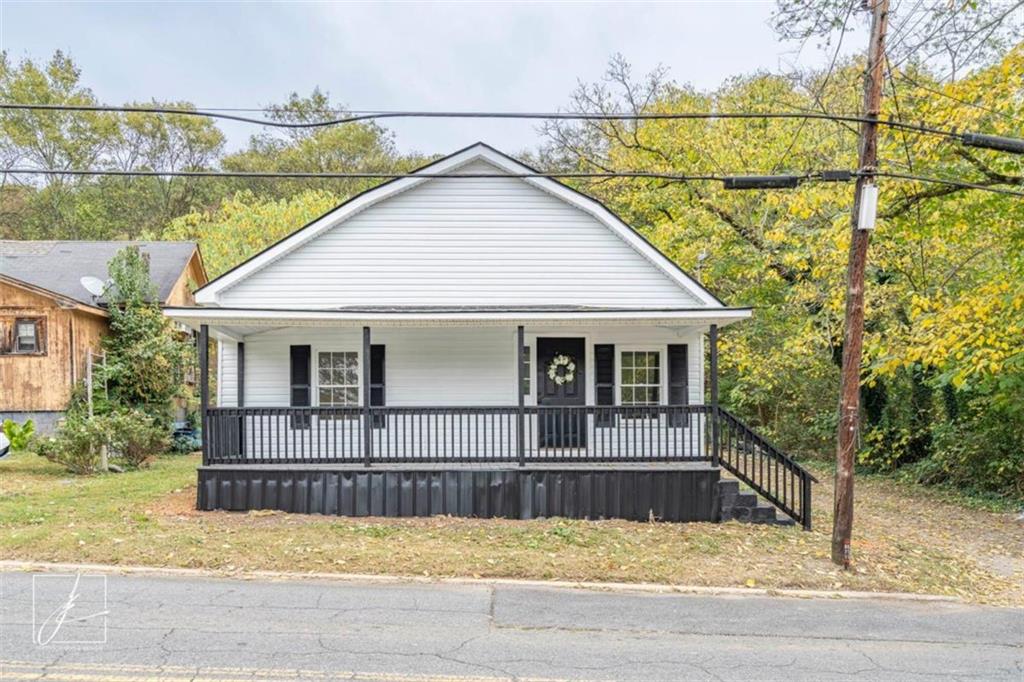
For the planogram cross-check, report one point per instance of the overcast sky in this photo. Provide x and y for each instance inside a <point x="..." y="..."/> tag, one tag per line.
<point x="486" y="56"/>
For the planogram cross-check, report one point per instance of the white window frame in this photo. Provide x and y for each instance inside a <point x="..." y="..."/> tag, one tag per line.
<point x="316" y="376"/>
<point x="662" y="352"/>
<point x="34" y="321"/>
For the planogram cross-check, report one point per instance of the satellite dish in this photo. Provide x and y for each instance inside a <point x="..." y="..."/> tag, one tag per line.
<point x="94" y="285"/>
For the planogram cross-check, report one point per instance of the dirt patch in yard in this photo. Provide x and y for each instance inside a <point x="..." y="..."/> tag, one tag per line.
<point x="906" y="540"/>
<point x="178" y="502"/>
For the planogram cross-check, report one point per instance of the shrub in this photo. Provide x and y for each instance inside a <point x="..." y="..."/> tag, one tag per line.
<point x="19" y="435"/>
<point x="133" y="436"/>
<point x="185" y="443"/>
<point x="982" y="450"/>
<point x="75" y="446"/>
<point x="145" y="357"/>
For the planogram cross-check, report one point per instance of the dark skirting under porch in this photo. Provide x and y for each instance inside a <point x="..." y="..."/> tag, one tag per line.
<point x="664" y="492"/>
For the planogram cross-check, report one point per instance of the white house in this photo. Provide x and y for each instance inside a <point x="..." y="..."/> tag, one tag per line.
<point x="445" y="335"/>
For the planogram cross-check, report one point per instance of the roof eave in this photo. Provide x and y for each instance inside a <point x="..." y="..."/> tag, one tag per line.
<point x="60" y="299"/>
<point x="240" y="317"/>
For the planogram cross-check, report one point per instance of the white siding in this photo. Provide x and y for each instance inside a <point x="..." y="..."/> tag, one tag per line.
<point x="227" y="374"/>
<point x="482" y="241"/>
<point x="438" y="367"/>
<point x="435" y="367"/>
<point x="472" y="367"/>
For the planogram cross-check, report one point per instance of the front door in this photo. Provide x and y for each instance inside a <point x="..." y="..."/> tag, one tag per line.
<point x="561" y="382"/>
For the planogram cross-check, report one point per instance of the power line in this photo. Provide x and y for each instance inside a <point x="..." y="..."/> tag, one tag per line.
<point x="821" y="88"/>
<point x="526" y="115"/>
<point x="733" y="181"/>
<point x="348" y="175"/>
<point x="943" y="181"/>
<point x="981" y="107"/>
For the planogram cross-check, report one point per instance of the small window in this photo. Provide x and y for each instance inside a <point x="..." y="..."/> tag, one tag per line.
<point x="26" y="336"/>
<point x="338" y="379"/>
<point x="640" y="378"/>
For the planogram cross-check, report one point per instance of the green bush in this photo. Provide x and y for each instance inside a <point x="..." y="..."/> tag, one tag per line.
<point x="133" y="436"/>
<point x="982" y="450"/>
<point x="19" y="435"/>
<point x="145" y="358"/>
<point x="75" y="446"/>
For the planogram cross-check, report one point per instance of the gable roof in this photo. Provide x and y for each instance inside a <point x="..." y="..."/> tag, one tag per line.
<point x="451" y="164"/>
<point x="58" y="266"/>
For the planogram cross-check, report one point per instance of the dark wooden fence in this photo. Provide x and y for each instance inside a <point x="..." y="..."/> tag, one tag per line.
<point x="511" y="435"/>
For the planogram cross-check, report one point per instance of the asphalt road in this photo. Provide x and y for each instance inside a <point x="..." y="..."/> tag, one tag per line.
<point x="216" y="629"/>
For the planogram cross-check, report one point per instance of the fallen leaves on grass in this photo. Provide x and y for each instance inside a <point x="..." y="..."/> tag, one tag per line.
<point x="903" y="541"/>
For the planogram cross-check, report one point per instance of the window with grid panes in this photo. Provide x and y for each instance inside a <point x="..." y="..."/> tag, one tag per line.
<point x="639" y="377"/>
<point x="338" y="378"/>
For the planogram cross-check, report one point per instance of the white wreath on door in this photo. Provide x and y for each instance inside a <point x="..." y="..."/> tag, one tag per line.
<point x="567" y="366"/>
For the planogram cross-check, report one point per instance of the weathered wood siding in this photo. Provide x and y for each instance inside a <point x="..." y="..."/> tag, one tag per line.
<point x="43" y="381"/>
<point x="192" y="277"/>
<point x="483" y="241"/>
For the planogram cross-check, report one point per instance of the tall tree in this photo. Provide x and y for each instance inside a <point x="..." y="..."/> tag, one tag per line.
<point x="349" y="148"/>
<point x="48" y="139"/>
<point x="783" y="251"/>
<point x="145" y="356"/>
<point x="245" y="224"/>
<point x="83" y="207"/>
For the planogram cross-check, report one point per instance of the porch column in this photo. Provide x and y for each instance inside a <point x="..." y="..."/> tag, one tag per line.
<point x="241" y="375"/>
<point x="713" y="338"/>
<point x="521" y="376"/>
<point x="240" y="399"/>
<point x="367" y="419"/>
<point x="204" y="388"/>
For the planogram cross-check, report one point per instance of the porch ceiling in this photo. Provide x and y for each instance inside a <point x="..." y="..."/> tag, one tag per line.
<point x="242" y="321"/>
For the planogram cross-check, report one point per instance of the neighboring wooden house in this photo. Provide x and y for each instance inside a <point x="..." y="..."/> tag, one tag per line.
<point x="49" y="321"/>
<point x="489" y="346"/>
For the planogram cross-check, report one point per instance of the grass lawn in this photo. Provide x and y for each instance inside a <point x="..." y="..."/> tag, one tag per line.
<point x="906" y="539"/>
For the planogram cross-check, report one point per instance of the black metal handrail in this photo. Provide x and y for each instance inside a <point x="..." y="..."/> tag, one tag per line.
<point x="291" y="435"/>
<point x="765" y="468"/>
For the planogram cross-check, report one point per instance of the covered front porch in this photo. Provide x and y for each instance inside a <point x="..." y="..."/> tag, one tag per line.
<point x="588" y="413"/>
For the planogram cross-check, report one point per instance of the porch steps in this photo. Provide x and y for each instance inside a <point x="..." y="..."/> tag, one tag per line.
<point x="738" y="503"/>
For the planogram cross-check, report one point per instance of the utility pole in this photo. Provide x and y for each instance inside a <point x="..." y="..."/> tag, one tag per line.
<point x="853" y="342"/>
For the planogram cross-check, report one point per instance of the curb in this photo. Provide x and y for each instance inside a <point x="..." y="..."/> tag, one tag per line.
<point x="645" y="588"/>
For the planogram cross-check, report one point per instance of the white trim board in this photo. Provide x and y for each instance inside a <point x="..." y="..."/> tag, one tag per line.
<point x="193" y="317"/>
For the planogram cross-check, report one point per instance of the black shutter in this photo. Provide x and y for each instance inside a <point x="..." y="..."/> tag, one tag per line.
<point x="604" y="383"/>
<point x="300" y="384"/>
<point x="677" y="381"/>
<point x="377" y="384"/>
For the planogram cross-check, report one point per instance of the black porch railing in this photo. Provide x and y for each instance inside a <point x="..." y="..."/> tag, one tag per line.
<point x="327" y="435"/>
<point x="766" y="469"/>
<point x="516" y="435"/>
